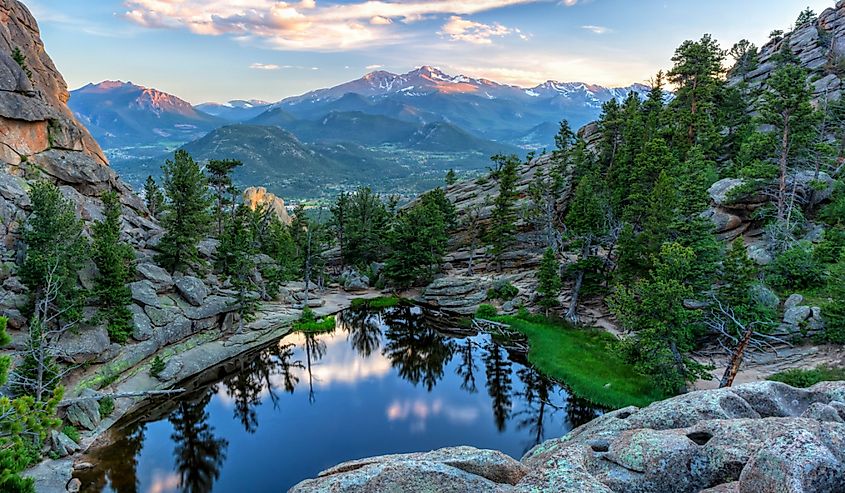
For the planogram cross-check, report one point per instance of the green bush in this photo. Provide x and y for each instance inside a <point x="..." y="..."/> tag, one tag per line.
<point x="796" y="268"/>
<point x="307" y="316"/>
<point x="157" y="366"/>
<point x="807" y="378"/>
<point x="106" y="406"/>
<point x="832" y="248"/>
<point x="834" y="212"/>
<point x="503" y="291"/>
<point x="486" y="311"/>
<point x="71" y="433"/>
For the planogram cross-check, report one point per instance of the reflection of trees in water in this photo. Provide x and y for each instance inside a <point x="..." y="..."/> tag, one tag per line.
<point x="315" y="349"/>
<point x="499" y="383"/>
<point x="117" y="464"/>
<point x="415" y="349"/>
<point x="364" y="329"/>
<point x="535" y="394"/>
<point x="198" y="453"/>
<point x="580" y="411"/>
<point x="246" y="387"/>
<point x="466" y="369"/>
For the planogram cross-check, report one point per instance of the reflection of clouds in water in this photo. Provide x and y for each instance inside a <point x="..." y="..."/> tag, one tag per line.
<point x="419" y="411"/>
<point x="340" y="364"/>
<point x="163" y="483"/>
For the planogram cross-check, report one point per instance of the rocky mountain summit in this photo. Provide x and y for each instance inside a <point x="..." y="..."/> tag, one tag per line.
<point x="764" y="437"/>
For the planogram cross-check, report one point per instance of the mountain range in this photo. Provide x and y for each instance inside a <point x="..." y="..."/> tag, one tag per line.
<point x="418" y="123"/>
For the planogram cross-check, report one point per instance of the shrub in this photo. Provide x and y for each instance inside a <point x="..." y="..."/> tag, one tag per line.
<point x="71" y="433"/>
<point x="796" y="268"/>
<point x="831" y="249"/>
<point x="326" y="324"/>
<point x="797" y="377"/>
<point x="157" y="366"/>
<point x="486" y="311"/>
<point x="307" y="316"/>
<point x="106" y="406"/>
<point x="503" y="291"/>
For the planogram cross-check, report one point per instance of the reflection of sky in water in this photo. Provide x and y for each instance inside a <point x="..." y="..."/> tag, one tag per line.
<point x="359" y="406"/>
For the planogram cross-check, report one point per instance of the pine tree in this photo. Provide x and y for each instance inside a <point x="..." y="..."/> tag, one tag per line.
<point x="805" y="17"/>
<point x="220" y="181"/>
<point x="20" y="59"/>
<point x="55" y="252"/>
<point x="788" y="109"/>
<point x="186" y="218"/>
<point x="437" y="199"/>
<point x="340" y="217"/>
<point x="586" y="220"/>
<point x="366" y="228"/>
<point x="451" y="177"/>
<point x="417" y="242"/>
<point x="113" y="258"/>
<point x="698" y="75"/>
<point x="153" y="197"/>
<point x="548" y="277"/>
<point x="502" y="234"/>
<point x="235" y="261"/>
<point x="738" y="275"/>
<point x="663" y="330"/>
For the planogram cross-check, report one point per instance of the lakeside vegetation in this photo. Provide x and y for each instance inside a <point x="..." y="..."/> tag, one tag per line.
<point x="309" y="323"/>
<point x="801" y="378"/>
<point x="585" y="361"/>
<point x="378" y="303"/>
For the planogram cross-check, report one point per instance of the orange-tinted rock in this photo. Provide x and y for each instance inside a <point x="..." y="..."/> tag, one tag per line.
<point x="23" y="137"/>
<point x="259" y="196"/>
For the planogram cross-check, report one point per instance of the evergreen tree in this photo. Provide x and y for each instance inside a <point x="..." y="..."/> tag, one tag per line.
<point x="340" y="217"/>
<point x="55" y="252"/>
<point x="698" y="76"/>
<point x="746" y="58"/>
<point x="788" y="109"/>
<point x="548" y="281"/>
<point x="417" y="243"/>
<point x="185" y="217"/>
<point x="738" y="275"/>
<point x="451" y="177"/>
<point x="153" y="197"/>
<point x="544" y="192"/>
<point x="586" y="220"/>
<point x="113" y="258"/>
<point x="805" y="17"/>
<point x="236" y="261"/>
<point x="502" y="234"/>
<point x="366" y="228"/>
<point x="663" y="330"/>
<point x="24" y="426"/>
<point x="220" y="181"/>
<point x="437" y="198"/>
<point x="20" y="59"/>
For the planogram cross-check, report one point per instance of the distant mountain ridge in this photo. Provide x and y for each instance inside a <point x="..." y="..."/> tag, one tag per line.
<point x="121" y="114"/>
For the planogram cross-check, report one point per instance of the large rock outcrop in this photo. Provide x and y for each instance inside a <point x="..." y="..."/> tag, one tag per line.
<point x="764" y="437"/>
<point x="255" y="197"/>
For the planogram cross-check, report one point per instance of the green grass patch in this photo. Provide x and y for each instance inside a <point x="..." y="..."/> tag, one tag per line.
<point x="584" y="360"/>
<point x="326" y="324"/>
<point x="377" y="303"/>
<point x="797" y="377"/>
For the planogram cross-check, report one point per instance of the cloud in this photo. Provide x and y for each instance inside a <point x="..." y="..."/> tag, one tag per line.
<point x="373" y="67"/>
<point x="460" y="29"/>
<point x="306" y="25"/>
<point x="597" y="29"/>
<point x="264" y="66"/>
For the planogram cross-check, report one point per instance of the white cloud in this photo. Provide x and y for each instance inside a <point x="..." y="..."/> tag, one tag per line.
<point x="373" y="67"/>
<point x="305" y="25"/>
<point x="264" y="66"/>
<point x="460" y="29"/>
<point x="597" y="29"/>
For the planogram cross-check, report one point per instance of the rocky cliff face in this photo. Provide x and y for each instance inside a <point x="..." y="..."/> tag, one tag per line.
<point x="764" y="437"/>
<point x="820" y="48"/>
<point x="255" y="197"/>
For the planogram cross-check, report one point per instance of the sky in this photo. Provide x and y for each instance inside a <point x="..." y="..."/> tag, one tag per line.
<point x="218" y="50"/>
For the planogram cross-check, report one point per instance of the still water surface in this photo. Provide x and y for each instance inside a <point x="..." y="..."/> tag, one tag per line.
<point x="389" y="381"/>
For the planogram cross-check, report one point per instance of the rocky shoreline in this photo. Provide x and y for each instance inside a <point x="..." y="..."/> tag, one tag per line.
<point x="763" y="437"/>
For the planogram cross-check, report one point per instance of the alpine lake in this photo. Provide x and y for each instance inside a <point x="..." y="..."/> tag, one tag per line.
<point x="384" y="381"/>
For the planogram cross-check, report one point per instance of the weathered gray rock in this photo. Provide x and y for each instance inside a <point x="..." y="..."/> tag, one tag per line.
<point x="61" y="444"/>
<point x="84" y="413"/>
<point x="792" y="301"/>
<point x="156" y="275"/>
<point x="764" y="296"/>
<point x="764" y="437"/>
<point x="83" y="345"/>
<point x="354" y="281"/>
<point x="142" y="328"/>
<point x="797" y="315"/>
<point x="193" y="290"/>
<point x="144" y="293"/>
<point x="174" y="331"/>
<point x="458" y="469"/>
<point x="214" y="305"/>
